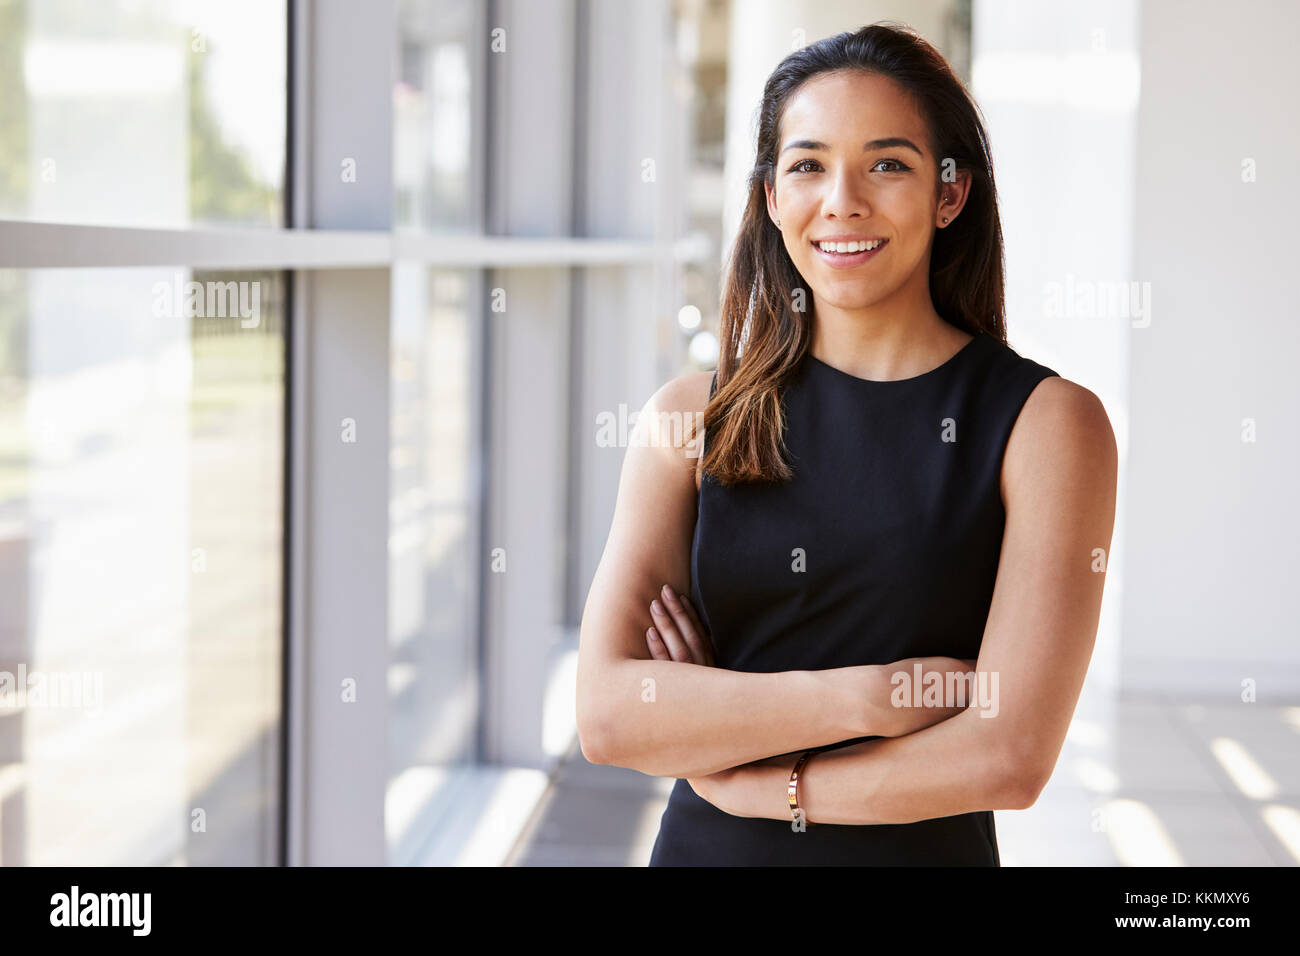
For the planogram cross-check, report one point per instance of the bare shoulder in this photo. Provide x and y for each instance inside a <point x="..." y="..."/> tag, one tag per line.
<point x="688" y="392"/>
<point x="673" y="417"/>
<point x="1062" y="432"/>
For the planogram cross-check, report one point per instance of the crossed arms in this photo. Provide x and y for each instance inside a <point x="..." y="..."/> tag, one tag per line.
<point x="661" y="708"/>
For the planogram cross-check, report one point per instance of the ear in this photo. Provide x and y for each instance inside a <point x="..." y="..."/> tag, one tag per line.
<point x="952" y="197"/>
<point x="772" y="212"/>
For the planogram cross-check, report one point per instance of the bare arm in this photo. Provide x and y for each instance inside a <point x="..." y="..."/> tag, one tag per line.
<point x="1059" y="480"/>
<point x="669" y="717"/>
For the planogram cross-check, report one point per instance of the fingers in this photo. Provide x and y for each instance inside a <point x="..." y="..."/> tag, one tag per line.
<point x="704" y="646"/>
<point x="688" y="625"/>
<point x="695" y="620"/>
<point x="657" y="650"/>
<point x="668" y="630"/>
<point x="679" y="634"/>
<point x="706" y="642"/>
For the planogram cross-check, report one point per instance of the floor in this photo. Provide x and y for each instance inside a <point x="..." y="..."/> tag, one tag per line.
<point x="1140" y="782"/>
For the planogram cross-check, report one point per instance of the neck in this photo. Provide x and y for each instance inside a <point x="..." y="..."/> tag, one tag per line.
<point x="887" y="341"/>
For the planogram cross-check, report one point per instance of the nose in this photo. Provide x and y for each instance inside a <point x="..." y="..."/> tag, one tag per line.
<point x="846" y="197"/>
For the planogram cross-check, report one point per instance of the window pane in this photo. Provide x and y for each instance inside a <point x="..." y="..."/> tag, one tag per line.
<point x="433" y="543"/>
<point x="434" y="136"/>
<point x="142" y="112"/>
<point x="141" y="488"/>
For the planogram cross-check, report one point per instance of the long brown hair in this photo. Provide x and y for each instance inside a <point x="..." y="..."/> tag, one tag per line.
<point x="763" y="336"/>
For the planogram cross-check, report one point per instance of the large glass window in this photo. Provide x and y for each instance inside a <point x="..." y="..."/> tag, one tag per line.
<point x="436" y="139"/>
<point x="141" y="489"/>
<point x="142" y="112"/>
<point x="434" y="549"/>
<point x="434" y="562"/>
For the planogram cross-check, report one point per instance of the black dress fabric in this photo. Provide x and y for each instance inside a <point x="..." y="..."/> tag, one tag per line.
<point x="884" y="546"/>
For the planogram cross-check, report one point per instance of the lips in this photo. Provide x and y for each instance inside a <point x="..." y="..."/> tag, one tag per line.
<point x="849" y="260"/>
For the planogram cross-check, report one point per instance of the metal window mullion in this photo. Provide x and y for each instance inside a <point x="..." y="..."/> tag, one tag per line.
<point x="298" y="451"/>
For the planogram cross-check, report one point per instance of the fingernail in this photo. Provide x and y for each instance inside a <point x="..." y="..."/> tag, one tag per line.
<point x="652" y="635"/>
<point x="655" y="606"/>
<point x="669" y="596"/>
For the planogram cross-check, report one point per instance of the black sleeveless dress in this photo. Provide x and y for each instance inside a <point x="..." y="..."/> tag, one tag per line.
<point x="884" y="546"/>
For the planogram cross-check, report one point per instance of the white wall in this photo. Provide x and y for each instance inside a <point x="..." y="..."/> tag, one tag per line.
<point x="1213" y="519"/>
<point x="1119" y="131"/>
<point x="1058" y="85"/>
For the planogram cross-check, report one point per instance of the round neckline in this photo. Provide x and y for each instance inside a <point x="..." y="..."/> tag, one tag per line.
<point x="879" y="383"/>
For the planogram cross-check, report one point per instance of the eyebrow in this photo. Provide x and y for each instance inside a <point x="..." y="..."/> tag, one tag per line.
<point x="886" y="143"/>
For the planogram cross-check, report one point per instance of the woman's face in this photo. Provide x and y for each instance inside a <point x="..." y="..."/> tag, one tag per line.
<point x="854" y="163"/>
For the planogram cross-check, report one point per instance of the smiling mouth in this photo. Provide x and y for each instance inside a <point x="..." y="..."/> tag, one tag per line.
<point x="854" y="254"/>
<point x="843" y="248"/>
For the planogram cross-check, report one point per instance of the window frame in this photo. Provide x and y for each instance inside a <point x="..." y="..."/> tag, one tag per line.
<point x="337" y="252"/>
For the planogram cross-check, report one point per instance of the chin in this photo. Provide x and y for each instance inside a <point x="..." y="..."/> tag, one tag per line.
<point x="838" y="295"/>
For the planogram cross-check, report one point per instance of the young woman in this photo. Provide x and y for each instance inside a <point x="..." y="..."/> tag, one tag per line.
<point x="888" y="496"/>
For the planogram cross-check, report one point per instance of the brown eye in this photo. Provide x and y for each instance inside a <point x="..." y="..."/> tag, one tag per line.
<point x="901" y="166"/>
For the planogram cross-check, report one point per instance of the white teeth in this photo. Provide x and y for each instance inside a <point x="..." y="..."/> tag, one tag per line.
<point x="849" y="246"/>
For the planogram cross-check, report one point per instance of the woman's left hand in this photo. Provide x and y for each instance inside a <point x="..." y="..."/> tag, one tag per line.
<point x="677" y="633"/>
<point x="755" y="789"/>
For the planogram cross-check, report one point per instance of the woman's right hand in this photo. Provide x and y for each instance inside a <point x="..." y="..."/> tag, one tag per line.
<point x="894" y="695"/>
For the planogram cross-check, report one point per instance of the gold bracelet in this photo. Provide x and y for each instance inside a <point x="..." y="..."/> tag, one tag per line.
<point x="792" y="791"/>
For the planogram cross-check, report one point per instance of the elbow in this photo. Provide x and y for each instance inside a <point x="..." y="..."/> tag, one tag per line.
<point x="612" y="736"/>
<point x="1025" y="781"/>
<point x="1019" y="771"/>
<point x="593" y="735"/>
<point x="603" y="729"/>
<point x="600" y="744"/>
<point x="591" y="720"/>
<point x="598" y="731"/>
<point x="597" y="748"/>
<point x="592" y="741"/>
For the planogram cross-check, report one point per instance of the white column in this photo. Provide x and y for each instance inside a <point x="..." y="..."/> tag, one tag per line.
<point x="531" y="112"/>
<point x="342" y="405"/>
